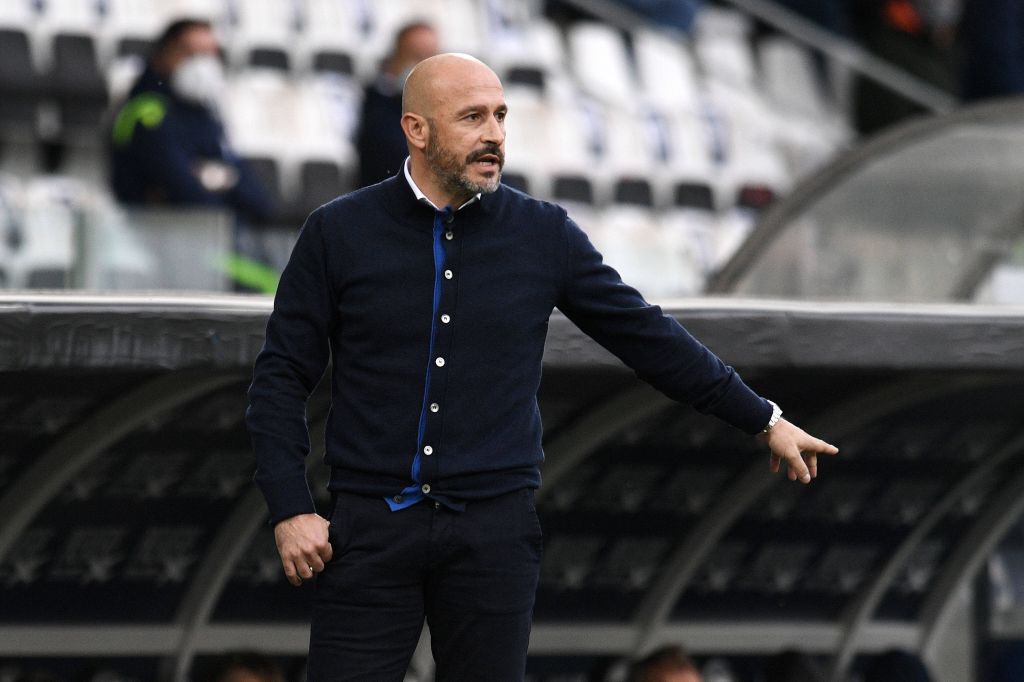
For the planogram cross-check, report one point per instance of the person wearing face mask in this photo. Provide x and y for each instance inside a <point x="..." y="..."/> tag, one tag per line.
<point x="168" y="143"/>
<point x="380" y="141"/>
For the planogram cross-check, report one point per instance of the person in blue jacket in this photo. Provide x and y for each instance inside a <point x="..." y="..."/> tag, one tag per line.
<point x="430" y="293"/>
<point x="168" y="143"/>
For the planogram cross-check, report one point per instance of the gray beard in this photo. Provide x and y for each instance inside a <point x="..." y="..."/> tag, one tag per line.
<point x="451" y="173"/>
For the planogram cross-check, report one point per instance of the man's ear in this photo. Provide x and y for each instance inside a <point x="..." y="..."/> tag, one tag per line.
<point x="416" y="129"/>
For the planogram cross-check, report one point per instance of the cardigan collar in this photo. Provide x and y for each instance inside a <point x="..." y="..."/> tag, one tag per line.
<point x="401" y="202"/>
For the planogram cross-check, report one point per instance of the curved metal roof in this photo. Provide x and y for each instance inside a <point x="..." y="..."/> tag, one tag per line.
<point x="129" y="527"/>
<point x="930" y="210"/>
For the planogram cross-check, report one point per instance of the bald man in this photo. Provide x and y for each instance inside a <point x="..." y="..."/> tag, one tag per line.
<point x="431" y="293"/>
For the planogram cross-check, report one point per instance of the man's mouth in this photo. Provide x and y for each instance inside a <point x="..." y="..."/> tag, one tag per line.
<point x="487" y="160"/>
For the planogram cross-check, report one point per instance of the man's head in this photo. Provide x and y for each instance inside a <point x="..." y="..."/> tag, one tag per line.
<point x="414" y="42"/>
<point x="454" y="121"/>
<point x="188" y="55"/>
<point x="668" y="664"/>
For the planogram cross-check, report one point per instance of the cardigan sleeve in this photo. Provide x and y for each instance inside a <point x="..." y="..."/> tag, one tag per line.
<point x="653" y="344"/>
<point x="294" y="356"/>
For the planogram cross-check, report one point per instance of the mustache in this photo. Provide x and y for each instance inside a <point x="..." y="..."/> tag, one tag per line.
<point x="491" y="149"/>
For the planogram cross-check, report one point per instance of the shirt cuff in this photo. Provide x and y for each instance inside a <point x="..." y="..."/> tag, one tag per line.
<point x="287" y="497"/>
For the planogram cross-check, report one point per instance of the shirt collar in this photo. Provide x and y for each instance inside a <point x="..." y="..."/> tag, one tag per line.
<point x="420" y="196"/>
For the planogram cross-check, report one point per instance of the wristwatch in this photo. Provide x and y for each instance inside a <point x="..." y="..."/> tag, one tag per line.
<point x="776" y="416"/>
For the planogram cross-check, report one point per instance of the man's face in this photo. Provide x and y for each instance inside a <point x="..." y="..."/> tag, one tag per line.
<point x="193" y="42"/>
<point x="466" y="145"/>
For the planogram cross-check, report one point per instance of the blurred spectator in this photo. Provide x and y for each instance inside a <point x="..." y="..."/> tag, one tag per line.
<point x="792" y="666"/>
<point x="168" y="145"/>
<point x="992" y="32"/>
<point x="897" y="666"/>
<point x="245" y="666"/>
<point x="380" y="142"/>
<point x="668" y="664"/>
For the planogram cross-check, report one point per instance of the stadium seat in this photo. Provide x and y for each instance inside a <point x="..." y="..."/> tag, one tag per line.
<point x="842" y="569"/>
<point x="516" y="180"/>
<point x="569" y="560"/>
<point x="813" y="128"/>
<point x="263" y="34"/>
<point x="538" y="46"/>
<point x="667" y="75"/>
<point x="601" y="64"/>
<point x="688" y="147"/>
<point x="631" y="158"/>
<point x="633" y="242"/>
<point x="722" y="46"/>
<point x="333" y="62"/>
<point x="217" y="12"/>
<point x="778" y="567"/>
<point x="20" y="82"/>
<point x="85" y="159"/>
<point x="44" y="256"/>
<point x="689" y="238"/>
<point x="460" y="24"/>
<point x="78" y="83"/>
<point x="10" y="234"/>
<point x="329" y="27"/>
<point x="527" y="128"/>
<point x="319" y="182"/>
<point x="789" y="78"/>
<point x="268" y="172"/>
<point x="632" y="563"/>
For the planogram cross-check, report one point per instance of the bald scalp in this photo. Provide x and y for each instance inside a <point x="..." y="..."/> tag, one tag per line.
<point x="434" y="78"/>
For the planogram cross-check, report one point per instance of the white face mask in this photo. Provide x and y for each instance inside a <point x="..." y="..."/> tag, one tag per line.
<point x="200" y="80"/>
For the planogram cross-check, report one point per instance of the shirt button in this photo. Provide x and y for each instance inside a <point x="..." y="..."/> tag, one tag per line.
<point x="446" y="318"/>
<point x="427" y="450"/>
<point x="449" y="235"/>
<point x="439" y="362"/>
<point x="448" y="274"/>
<point x="397" y="499"/>
<point x="425" y="488"/>
<point x="434" y="407"/>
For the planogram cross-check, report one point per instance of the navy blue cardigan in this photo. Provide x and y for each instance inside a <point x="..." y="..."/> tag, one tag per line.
<point x="437" y="331"/>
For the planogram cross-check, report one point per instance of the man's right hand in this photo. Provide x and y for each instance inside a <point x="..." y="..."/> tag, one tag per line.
<point x="303" y="544"/>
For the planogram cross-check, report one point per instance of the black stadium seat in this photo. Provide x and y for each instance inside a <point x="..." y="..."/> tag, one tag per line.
<point x="573" y="188"/>
<point x="268" y="173"/>
<point x="694" y="195"/>
<point x="319" y="182"/>
<point x="19" y="82"/>
<point x="516" y="181"/>
<point x="333" y="62"/>
<point x="269" y="58"/>
<point x="78" y="84"/>
<point x="634" y="191"/>
<point x="136" y="47"/>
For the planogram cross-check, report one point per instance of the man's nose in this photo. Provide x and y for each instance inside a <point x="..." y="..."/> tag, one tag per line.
<point x="494" y="131"/>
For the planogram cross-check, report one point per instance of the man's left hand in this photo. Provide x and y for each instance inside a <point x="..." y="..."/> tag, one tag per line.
<point x="798" y="448"/>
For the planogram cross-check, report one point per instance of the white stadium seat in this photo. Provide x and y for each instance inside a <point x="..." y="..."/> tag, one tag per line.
<point x="667" y="74"/>
<point x="601" y="64"/>
<point x="264" y="33"/>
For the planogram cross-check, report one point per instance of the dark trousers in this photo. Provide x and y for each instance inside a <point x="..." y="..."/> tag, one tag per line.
<point x="472" y="574"/>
